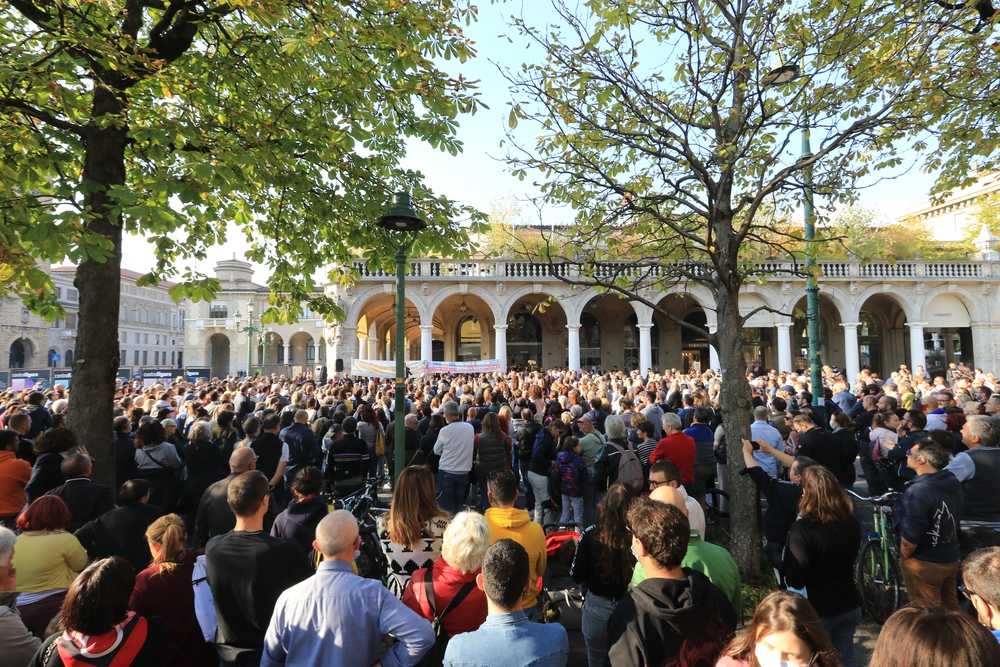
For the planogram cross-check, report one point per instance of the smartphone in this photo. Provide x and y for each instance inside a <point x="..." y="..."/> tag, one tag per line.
<point x="755" y="445"/>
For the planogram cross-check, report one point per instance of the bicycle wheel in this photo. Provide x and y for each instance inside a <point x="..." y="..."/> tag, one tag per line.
<point x="717" y="529"/>
<point x="879" y="584"/>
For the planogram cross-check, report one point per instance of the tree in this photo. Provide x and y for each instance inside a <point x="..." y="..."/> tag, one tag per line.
<point x="174" y="118"/>
<point x="659" y="125"/>
<point x="866" y="235"/>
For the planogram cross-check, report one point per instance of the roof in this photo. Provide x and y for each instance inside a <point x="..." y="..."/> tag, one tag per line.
<point x="125" y="273"/>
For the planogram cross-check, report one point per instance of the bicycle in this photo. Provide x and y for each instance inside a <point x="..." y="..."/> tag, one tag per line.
<point x="878" y="570"/>
<point x="364" y="505"/>
<point x="717" y="529"/>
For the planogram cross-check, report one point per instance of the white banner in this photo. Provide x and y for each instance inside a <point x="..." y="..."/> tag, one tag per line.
<point x="460" y="367"/>
<point x="385" y="369"/>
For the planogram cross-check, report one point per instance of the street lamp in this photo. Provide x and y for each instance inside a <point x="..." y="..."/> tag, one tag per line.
<point x="249" y="330"/>
<point x="400" y="217"/>
<point x="777" y="77"/>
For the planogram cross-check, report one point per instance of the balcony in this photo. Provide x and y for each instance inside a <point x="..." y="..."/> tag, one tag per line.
<point x="515" y="270"/>
<point x="67" y="333"/>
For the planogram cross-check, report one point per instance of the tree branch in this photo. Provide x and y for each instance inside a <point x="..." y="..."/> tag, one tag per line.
<point x="42" y="116"/>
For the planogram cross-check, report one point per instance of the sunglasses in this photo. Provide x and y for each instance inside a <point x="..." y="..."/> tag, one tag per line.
<point x="966" y="591"/>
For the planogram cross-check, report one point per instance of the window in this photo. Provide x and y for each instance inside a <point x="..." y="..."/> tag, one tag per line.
<point x="70" y="320"/>
<point x="135" y="315"/>
<point x="135" y="357"/>
<point x="145" y="339"/>
<point x="173" y="358"/>
<point x="123" y="337"/>
<point x="145" y="316"/>
<point x="72" y="296"/>
<point x="173" y="319"/>
<point x="157" y="340"/>
<point x="57" y="324"/>
<point x="145" y="357"/>
<point x="58" y="292"/>
<point x="123" y="316"/>
<point x="156" y="357"/>
<point x="218" y="311"/>
<point x="310" y="353"/>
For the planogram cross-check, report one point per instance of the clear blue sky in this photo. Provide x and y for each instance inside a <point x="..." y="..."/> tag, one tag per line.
<point x="477" y="177"/>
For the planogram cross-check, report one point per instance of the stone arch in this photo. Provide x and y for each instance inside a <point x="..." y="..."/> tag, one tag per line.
<point x="972" y="302"/>
<point x="701" y="295"/>
<point x="218" y="351"/>
<point x="488" y="296"/>
<point x="514" y="295"/>
<point x="354" y="311"/>
<point x="859" y="302"/>
<point x="840" y="300"/>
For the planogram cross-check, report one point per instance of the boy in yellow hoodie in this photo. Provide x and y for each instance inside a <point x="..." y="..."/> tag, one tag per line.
<point x="506" y="521"/>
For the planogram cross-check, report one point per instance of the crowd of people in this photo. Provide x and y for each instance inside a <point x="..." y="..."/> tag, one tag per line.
<point x="223" y="542"/>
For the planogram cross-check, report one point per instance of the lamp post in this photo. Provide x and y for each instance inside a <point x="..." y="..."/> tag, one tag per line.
<point x="400" y="217"/>
<point x="776" y="77"/>
<point x="249" y="330"/>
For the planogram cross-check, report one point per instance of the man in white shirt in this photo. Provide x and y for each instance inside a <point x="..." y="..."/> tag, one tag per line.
<point x="760" y="429"/>
<point x="454" y="445"/>
<point x="665" y="473"/>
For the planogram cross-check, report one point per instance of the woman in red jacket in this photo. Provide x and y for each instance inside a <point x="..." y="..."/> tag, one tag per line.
<point x="466" y="540"/>
<point x="164" y="589"/>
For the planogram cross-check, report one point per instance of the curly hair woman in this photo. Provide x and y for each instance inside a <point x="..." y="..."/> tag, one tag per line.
<point x="603" y="564"/>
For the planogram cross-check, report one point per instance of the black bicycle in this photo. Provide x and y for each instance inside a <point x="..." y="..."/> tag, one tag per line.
<point x="365" y="505"/>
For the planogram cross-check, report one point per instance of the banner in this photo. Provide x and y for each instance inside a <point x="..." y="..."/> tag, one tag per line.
<point x="195" y="374"/>
<point x="465" y="367"/>
<point x="151" y="376"/>
<point x="20" y="380"/>
<point x="385" y="369"/>
<point x="62" y="377"/>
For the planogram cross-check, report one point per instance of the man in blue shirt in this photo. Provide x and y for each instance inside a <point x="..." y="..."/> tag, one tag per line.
<point x="338" y="618"/>
<point x="507" y="638"/>
<point x="981" y="573"/>
<point x="760" y="429"/>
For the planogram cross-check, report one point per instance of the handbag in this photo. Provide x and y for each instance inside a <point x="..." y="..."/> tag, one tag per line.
<point x="435" y="657"/>
<point x="379" y="443"/>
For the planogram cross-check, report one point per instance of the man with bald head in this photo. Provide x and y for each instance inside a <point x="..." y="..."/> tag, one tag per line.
<point x="85" y="499"/>
<point x="338" y="618"/>
<point x="710" y="559"/>
<point x="214" y="515"/>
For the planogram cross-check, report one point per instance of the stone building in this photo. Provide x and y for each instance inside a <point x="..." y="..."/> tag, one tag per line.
<point x="877" y="315"/>
<point x="213" y="336"/>
<point x="26" y="338"/>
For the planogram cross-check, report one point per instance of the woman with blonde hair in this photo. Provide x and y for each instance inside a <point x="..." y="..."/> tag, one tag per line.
<point x="785" y="630"/>
<point x="466" y="540"/>
<point x="164" y="589"/>
<point x="820" y="554"/>
<point x="411" y="532"/>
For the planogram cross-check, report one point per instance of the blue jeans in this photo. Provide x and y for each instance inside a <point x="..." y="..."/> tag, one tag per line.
<point x="841" y="630"/>
<point x="594" y="625"/>
<point x="572" y="509"/>
<point x="588" y="500"/>
<point x="484" y="499"/>
<point x="451" y="486"/>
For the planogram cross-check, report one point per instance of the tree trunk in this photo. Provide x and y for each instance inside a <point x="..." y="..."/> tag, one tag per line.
<point x="96" y="362"/>
<point x="736" y="417"/>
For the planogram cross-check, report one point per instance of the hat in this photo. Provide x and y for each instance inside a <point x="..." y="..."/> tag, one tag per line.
<point x="168" y="422"/>
<point x="787" y="387"/>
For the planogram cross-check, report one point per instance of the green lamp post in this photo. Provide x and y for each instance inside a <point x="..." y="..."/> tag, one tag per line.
<point x="249" y="330"/>
<point x="400" y="217"/>
<point x="776" y="77"/>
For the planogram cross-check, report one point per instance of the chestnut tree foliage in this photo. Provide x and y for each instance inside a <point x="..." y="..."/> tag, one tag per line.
<point x="174" y="119"/>
<point x="658" y="125"/>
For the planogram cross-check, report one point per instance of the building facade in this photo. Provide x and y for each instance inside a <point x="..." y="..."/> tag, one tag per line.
<point x="215" y="339"/>
<point x="877" y="316"/>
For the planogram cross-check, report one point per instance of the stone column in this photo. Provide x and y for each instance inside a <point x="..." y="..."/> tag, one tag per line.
<point x="645" y="348"/>
<point x="917" y="356"/>
<point x="426" y="342"/>
<point x="346" y="348"/>
<point x="372" y="347"/>
<point x="362" y="346"/>
<point x="852" y="355"/>
<point x="501" y="345"/>
<point x="574" y="346"/>
<point x="713" y="354"/>
<point x="784" y="347"/>
<point x="288" y="355"/>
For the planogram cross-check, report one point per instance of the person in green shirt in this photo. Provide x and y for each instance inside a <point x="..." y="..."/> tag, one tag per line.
<point x="710" y="559"/>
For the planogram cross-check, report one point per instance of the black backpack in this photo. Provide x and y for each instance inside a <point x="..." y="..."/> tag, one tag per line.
<point x="435" y="657"/>
<point x="526" y="440"/>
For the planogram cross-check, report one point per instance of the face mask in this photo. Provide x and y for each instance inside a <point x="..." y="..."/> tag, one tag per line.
<point x="768" y="659"/>
<point x="634" y="553"/>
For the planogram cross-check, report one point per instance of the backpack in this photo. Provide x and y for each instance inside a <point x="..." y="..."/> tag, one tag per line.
<point x="435" y="657"/>
<point x="526" y="442"/>
<point x="629" y="466"/>
<point x="204" y="601"/>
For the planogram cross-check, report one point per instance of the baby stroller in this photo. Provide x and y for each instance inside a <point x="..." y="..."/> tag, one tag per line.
<point x="562" y="599"/>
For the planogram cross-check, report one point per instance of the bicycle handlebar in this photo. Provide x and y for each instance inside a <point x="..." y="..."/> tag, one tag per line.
<point x="891" y="495"/>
